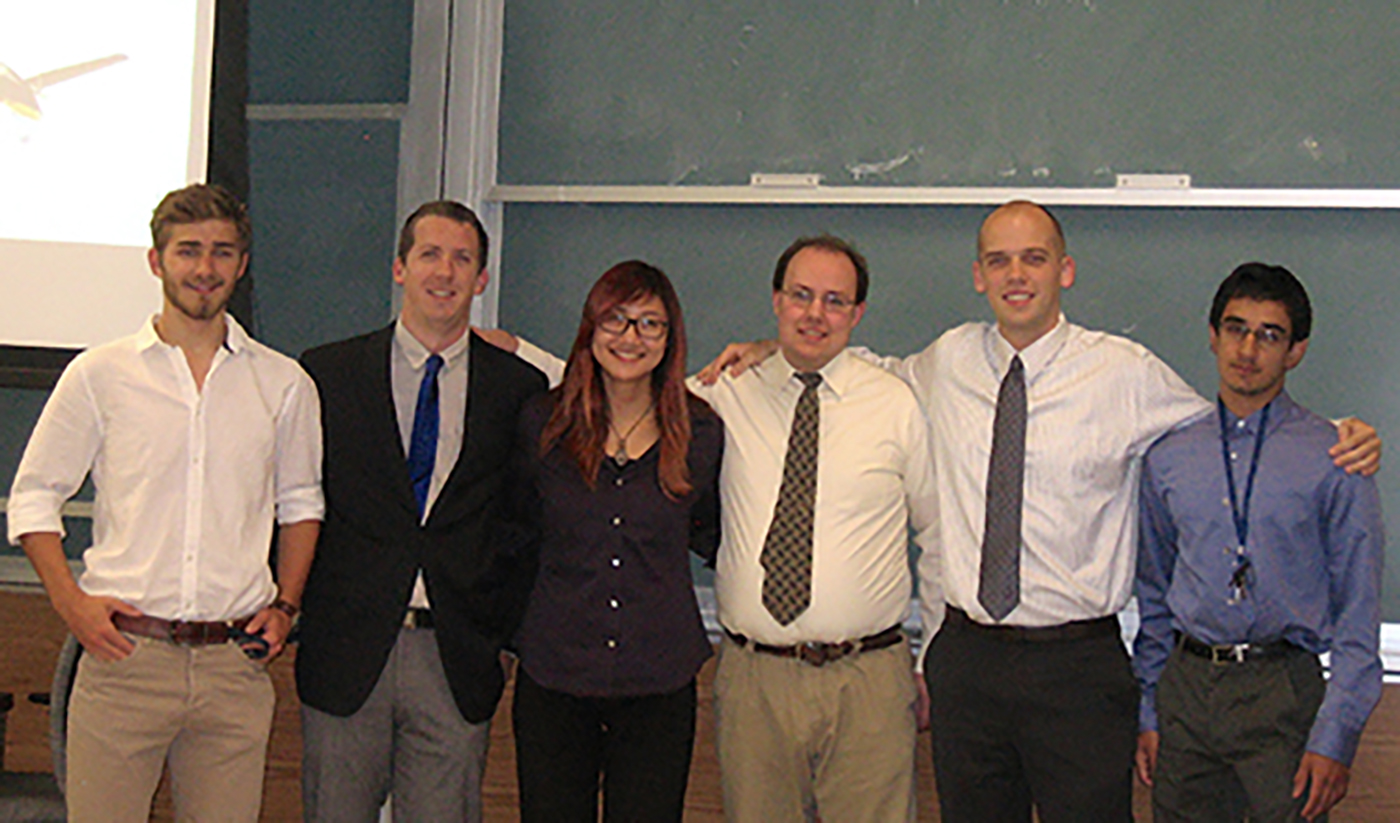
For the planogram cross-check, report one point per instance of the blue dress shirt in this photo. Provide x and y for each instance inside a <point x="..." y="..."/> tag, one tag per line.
<point x="1315" y="547"/>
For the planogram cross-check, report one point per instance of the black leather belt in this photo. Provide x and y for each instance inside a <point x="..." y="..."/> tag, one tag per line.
<point x="1074" y="630"/>
<point x="1225" y="653"/>
<point x="416" y="618"/>
<point x="819" y="654"/>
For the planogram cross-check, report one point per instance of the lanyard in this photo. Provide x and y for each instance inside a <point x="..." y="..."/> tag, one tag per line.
<point x="1238" y="512"/>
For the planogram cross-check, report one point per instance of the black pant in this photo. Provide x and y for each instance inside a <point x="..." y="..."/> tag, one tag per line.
<point x="1017" y="723"/>
<point x="640" y="745"/>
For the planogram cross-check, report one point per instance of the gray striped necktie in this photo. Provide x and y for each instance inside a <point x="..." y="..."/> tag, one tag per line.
<point x="999" y="579"/>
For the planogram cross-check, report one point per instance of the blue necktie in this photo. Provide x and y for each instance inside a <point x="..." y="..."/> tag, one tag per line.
<point x="422" y="449"/>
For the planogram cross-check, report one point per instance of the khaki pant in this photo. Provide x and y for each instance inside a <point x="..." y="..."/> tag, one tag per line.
<point x="796" y="740"/>
<point x="208" y="708"/>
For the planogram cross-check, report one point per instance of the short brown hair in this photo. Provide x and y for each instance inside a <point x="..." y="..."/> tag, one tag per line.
<point x="450" y="209"/>
<point x="195" y="204"/>
<point x="830" y="243"/>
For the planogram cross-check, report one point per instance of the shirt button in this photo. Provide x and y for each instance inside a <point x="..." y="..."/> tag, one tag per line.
<point x="1234" y="456"/>
<point x="612" y="644"/>
<point x="617" y="521"/>
<point x="617" y="562"/>
<point x="613" y="602"/>
<point x="617" y="482"/>
<point x="1239" y="424"/>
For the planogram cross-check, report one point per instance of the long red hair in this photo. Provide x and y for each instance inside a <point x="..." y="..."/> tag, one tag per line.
<point x="579" y="423"/>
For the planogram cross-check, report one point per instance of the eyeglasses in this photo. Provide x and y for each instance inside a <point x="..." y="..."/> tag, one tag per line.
<point x="831" y="301"/>
<point x="1269" y="336"/>
<point x="648" y="327"/>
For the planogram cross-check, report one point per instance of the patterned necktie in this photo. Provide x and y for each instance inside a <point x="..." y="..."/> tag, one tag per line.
<point x="422" y="444"/>
<point x="999" y="580"/>
<point x="787" y="551"/>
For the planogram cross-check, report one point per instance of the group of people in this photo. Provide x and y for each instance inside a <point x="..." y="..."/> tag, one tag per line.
<point x="437" y="503"/>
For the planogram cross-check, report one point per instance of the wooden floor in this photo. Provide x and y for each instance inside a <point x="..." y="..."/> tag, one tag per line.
<point x="32" y="634"/>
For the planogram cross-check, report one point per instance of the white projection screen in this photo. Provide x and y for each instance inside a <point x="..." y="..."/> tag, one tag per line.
<point x="104" y="107"/>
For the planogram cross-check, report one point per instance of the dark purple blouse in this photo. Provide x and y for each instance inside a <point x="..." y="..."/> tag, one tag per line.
<point x="613" y="612"/>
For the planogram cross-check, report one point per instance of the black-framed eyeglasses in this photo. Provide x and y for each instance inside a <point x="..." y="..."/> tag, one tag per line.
<point x="648" y="327"/>
<point x="831" y="301"/>
<point x="1271" y="336"/>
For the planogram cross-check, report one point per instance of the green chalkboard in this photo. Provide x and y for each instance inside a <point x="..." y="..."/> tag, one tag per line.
<point x="934" y="93"/>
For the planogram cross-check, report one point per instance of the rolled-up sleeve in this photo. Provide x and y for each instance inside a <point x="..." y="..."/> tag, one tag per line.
<point x="299" y="447"/>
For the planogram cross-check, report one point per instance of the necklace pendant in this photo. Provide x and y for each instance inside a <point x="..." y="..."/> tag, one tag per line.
<point x="621" y="458"/>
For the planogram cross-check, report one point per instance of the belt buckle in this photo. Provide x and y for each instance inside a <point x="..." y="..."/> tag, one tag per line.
<point x="819" y="654"/>
<point x="813" y="654"/>
<point x="1233" y="653"/>
<point x="186" y="633"/>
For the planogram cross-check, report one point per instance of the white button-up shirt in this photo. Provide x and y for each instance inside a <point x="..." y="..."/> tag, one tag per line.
<point x="874" y="481"/>
<point x="1094" y="403"/>
<point x="188" y="481"/>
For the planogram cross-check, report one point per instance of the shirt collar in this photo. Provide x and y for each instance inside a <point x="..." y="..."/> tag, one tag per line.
<point x="1280" y="408"/>
<point x="235" y="338"/>
<point x="778" y="374"/>
<point x="417" y="354"/>
<point x="1035" y="358"/>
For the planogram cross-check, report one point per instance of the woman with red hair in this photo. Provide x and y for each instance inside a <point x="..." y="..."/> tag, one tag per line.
<point x="619" y="475"/>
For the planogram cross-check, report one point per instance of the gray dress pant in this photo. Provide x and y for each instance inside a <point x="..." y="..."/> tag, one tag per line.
<point x="408" y="740"/>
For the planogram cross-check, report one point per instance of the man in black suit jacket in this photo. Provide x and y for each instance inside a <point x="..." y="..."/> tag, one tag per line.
<point x="414" y="588"/>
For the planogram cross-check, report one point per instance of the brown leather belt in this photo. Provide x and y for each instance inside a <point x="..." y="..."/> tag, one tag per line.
<point x="1075" y="630"/>
<point x="1235" y="652"/>
<point x="819" y="654"/>
<point x="180" y="632"/>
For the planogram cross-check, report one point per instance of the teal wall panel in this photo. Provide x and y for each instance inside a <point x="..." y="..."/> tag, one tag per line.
<point x="319" y="52"/>
<point x="323" y="204"/>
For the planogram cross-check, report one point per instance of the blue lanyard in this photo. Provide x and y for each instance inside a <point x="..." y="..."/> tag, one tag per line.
<point x="1241" y="514"/>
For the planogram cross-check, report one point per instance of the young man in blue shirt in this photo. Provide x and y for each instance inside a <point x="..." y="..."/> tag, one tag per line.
<point x="1257" y="555"/>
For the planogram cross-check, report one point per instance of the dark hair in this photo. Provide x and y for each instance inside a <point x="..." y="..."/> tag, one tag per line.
<point x="450" y="209"/>
<point x="1261" y="281"/>
<point x="829" y="243"/>
<point x="195" y="204"/>
<point x="1027" y="204"/>
<point x="579" y="422"/>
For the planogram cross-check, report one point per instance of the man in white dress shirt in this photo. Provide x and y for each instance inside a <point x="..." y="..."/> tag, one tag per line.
<point x="197" y="438"/>
<point x="817" y="711"/>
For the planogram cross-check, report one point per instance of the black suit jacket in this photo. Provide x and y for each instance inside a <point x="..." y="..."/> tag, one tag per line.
<point x="372" y="545"/>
